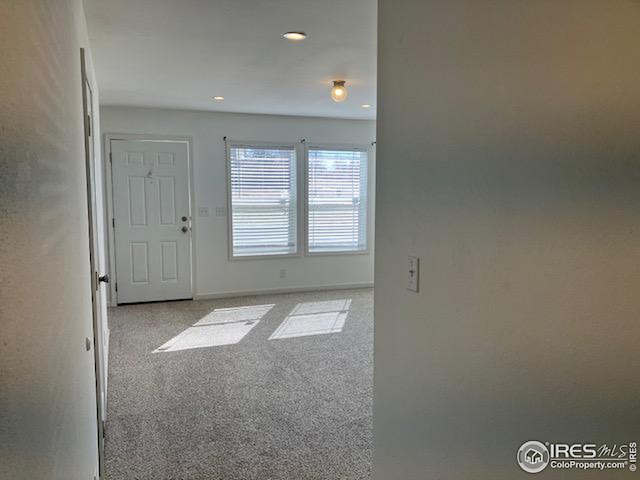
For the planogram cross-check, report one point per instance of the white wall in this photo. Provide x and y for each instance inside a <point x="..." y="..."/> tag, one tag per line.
<point x="509" y="162"/>
<point x="215" y="274"/>
<point x="48" y="426"/>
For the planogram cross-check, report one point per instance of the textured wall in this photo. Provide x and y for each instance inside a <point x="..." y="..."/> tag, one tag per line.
<point x="509" y="161"/>
<point x="215" y="274"/>
<point x="47" y="384"/>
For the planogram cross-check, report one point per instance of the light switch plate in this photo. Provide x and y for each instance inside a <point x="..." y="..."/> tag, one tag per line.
<point x="221" y="212"/>
<point x="413" y="273"/>
<point x="203" y="211"/>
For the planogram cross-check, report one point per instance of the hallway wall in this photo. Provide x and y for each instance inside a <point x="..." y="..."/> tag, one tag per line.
<point x="508" y="161"/>
<point x="48" y="425"/>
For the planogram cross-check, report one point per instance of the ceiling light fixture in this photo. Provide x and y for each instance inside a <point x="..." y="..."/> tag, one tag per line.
<point x="295" y="36"/>
<point x="365" y="105"/>
<point x="339" y="91"/>
<point x="219" y="98"/>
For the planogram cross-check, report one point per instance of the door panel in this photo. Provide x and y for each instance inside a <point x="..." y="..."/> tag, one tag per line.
<point x="139" y="262"/>
<point x="167" y="201"/>
<point x="100" y="330"/>
<point x="137" y="202"/>
<point x="151" y="208"/>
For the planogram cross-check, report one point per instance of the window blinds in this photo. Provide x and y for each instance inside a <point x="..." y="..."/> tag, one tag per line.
<point x="337" y="200"/>
<point x="263" y="200"/>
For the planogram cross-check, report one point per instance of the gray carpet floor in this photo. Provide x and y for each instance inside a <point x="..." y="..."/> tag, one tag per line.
<point x="244" y="405"/>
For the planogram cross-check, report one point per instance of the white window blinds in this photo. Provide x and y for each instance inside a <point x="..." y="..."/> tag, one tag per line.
<point x="263" y="200"/>
<point x="337" y="200"/>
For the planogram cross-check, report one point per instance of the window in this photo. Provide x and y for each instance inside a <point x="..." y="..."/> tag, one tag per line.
<point x="336" y="200"/>
<point x="263" y="200"/>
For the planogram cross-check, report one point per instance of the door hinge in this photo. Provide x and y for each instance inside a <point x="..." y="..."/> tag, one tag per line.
<point x="111" y="157"/>
<point x="113" y="222"/>
<point x="89" y="125"/>
<point x="116" y="286"/>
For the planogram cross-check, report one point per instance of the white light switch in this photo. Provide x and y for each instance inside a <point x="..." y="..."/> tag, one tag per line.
<point x="221" y="212"/>
<point x="203" y="211"/>
<point x="413" y="273"/>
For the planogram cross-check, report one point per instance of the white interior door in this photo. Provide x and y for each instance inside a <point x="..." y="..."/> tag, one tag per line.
<point x="100" y="329"/>
<point x="152" y="220"/>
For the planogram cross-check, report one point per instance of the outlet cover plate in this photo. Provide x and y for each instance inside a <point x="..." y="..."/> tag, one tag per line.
<point x="413" y="273"/>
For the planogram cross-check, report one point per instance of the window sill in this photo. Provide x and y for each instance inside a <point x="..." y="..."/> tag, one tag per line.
<point x="263" y="256"/>
<point x="336" y="253"/>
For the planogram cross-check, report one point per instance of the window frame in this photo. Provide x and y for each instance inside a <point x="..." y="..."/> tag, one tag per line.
<point x="229" y="144"/>
<point x="305" y="193"/>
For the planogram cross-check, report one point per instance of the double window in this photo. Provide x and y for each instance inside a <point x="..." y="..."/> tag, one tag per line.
<point x="264" y="192"/>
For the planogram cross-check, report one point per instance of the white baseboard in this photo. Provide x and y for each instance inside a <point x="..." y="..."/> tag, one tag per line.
<point x="271" y="291"/>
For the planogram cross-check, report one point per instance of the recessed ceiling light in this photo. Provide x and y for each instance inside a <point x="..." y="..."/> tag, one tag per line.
<point x="219" y="98"/>
<point x="365" y="105"/>
<point x="295" y="36"/>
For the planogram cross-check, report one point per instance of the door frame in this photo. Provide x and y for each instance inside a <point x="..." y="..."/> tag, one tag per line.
<point x="111" y="137"/>
<point x="98" y="320"/>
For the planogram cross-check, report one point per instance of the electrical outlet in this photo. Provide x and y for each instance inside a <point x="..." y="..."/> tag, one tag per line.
<point x="413" y="273"/>
<point x="203" y="211"/>
<point x="283" y="273"/>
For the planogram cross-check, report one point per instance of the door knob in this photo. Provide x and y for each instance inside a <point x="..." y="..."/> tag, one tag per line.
<point x="103" y="278"/>
<point x="184" y="219"/>
<point x="184" y="229"/>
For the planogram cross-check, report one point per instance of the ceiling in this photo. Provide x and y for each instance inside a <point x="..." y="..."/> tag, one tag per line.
<point x="181" y="53"/>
